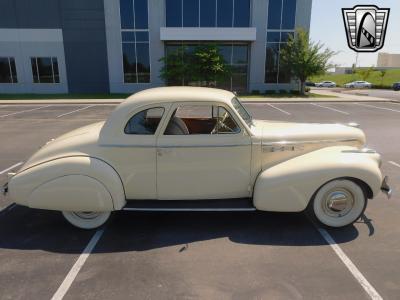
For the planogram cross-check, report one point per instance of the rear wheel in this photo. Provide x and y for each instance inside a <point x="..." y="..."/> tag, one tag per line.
<point x="339" y="203"/>
<point x="86" y="220"/>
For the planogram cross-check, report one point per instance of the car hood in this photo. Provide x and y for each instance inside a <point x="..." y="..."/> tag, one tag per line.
<point x="81" y="141"/>
<point x="272" y="132"/>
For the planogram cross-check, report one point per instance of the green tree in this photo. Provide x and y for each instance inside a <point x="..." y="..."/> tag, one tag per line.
<point x="305" y="58"/>
<point x="203" y="66"/>
<point x="382" y="74"/>
<point x="365" y="72"/>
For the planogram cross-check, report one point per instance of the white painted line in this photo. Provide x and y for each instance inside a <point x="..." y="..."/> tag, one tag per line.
<point x="24" y="111"/>
<point x="377" y="107"/>
<point x="394" y="164"/>
<point x="69" y="279"/>
<point x="12" y="167"/>
<point x="331" y="108"/>
<point x="281" y="110"/>
<point x="8" y="208"/>
<point x="350" y="266"/>
<point x="74" y="111"/>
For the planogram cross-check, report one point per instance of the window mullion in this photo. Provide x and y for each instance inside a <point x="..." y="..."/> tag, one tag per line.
<point x="37" y="70"/>
<point x="9" y="67"/>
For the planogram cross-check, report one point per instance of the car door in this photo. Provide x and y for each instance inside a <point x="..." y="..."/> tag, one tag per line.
<point x="199" y="159"/>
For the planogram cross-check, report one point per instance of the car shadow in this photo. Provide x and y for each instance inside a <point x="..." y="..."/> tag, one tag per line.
<point x="28" y="229"/>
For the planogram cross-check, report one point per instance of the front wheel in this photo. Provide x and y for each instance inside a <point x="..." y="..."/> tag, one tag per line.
<point x="339" y="203"/>
<point x="86" y="220"/>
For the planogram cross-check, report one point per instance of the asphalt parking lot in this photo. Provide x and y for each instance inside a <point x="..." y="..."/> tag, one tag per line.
<point x="199" y="255"/>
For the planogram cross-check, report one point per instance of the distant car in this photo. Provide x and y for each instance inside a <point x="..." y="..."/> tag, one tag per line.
<point x="329" y="84"/>
<point x="396" y="86"/>
<point x="310" y="83"/>
<point x="358" y="84"/>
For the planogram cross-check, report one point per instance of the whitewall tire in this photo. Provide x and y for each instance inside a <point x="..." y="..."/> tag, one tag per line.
<point x="339" y="203"/>
<point x="86" y="220"/>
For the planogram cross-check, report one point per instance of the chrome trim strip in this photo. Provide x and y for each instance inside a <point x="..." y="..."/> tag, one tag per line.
<point x="189" y="209"/>
<point x="364" y="150"/>
<point x="282" y="143"/>
<point x="177" y="146"/>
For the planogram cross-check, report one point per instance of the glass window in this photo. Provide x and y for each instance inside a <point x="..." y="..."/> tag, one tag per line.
<point x="273" y="37"/>
<point x="289" y="14"/>
<point x="129" y="62"/>
<point x="201" y="119"/>
<point x="241" y="16"/>
<point x="208" y="13"/>
<point x="239" y="55"/>
<point x="126" y="11"/>
<point x="274" y="14"/>
<point x="271" y="63"/>
<point x="141" y="14"/>
<point x="191" y="13"/>
<point x="45" y="70"/>
<point x="242" y="111"/>
<point x="143" y="62"/>
<point x="173" y="13"/>
<point x="145" y="122"/>
<point x="8" y="72"/>
<point x="224" y="13"/>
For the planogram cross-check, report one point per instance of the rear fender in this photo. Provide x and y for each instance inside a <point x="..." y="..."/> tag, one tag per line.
<point x="290" y="185"/>
<point x="72" y="183"/>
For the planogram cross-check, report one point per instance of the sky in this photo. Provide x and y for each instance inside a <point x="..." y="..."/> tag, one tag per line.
<point x="328" y="28"/>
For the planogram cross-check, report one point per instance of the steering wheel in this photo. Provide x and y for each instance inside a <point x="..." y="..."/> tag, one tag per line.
<point x="221" y="124"/>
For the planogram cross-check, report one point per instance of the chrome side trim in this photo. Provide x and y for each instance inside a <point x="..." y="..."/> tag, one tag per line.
<point x="281" y="143"/>
<point x="364" y="150"/>
<point x="177" y="146"/>
<point x="189" y="209"/>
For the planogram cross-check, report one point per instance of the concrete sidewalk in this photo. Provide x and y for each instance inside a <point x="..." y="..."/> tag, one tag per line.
<point x="340" y="97"/>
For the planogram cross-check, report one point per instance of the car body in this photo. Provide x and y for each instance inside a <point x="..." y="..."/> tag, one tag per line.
<point x="309" y="83"/>
<point x="328" y="84"/>
<point x="360" y="84"/>
<point x="187" y="148"/>
<point x="396" y="86"/>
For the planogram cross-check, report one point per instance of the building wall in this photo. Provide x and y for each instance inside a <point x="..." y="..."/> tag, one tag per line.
<point x="388" y="60"/>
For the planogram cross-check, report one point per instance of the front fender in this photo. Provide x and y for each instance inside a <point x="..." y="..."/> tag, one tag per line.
<point x="290" y="185"/>
<point x="76" y="183"/>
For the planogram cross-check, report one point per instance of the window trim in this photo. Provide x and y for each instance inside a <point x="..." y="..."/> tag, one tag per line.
<point x="52" y="70"/>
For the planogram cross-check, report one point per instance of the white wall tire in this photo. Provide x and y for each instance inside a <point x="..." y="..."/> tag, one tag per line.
<point x="86" y="220"/>
<point x="339" y="203"/>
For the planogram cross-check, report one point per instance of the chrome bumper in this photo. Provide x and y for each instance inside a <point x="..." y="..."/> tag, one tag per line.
<point x="386" y="188"/>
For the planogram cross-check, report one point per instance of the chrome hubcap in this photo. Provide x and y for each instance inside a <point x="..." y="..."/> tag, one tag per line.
<point x="338" y="202"/>
<point x="88" y="215"/>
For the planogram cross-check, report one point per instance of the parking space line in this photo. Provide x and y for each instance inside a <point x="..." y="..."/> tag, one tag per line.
<point x="12" y="167"/>
<point x="331" y="108"/>
<point x="394" y="163"/>
<point x="377" y="107"/>
<point x="74" y="111"/>
<point x="369" y="289"/>
<point x="69" y="279"/>
<point x="281" y="110"/>
<point x="24" y="111"/>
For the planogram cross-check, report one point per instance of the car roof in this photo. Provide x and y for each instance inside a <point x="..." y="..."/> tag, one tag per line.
<point x="178" y="94"/>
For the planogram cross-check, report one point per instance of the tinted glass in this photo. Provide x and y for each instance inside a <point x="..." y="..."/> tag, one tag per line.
<point x="5" y="76"/>
<point x="274" y="14"/>
<point x="208" y="13"/>
<point x="145" y="122"/>
<point x="13" y="70"/>
<point x="271" y="63"/>
<point x="242" y="13"/>
<point x="126" y="11"/>
<point x="285" y="36"/>
<point x="128" y="36"/>
<point x="226" y="52"/>
<point x="34" y="70"/>
<point x="239" y="54"/>
<point x="142" y="36"/>
<point x="191" y="13"/>
<point x="289" y="14"/>
<point x="45" y="69"/>
<point x="173" y="13"/>
<point x="273" y="37"/>
<point x="55" y="70"/>
<point x="141" y="14"/>
<point x="224" y="13"/>
<point x="129" y="61"/>
<point x="143" y="62"/>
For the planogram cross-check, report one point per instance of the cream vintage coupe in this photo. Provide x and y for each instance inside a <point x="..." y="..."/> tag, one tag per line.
<point x="187" y="148"/>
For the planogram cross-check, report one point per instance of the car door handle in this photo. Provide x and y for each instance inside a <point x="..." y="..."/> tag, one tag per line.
<point x="161" y="151"/>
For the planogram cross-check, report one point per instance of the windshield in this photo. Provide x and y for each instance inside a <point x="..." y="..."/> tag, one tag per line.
<point x="242" y="111"/>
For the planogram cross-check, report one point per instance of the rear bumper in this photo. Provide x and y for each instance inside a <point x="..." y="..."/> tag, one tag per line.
<point x="385" y="188"/>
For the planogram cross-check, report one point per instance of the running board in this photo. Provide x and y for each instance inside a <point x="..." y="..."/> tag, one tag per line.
<point x="241" y="204"/>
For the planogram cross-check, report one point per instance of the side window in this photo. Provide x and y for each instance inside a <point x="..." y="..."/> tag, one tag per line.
<point x="201" y="119"/>
<point x="145" y="122"/>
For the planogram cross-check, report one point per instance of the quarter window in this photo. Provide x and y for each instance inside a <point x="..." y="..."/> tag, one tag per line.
<point x="8" y="72"/>
<point x="145" y="122"/>
<point x="201" y="119"/>
<point x="45" y="70"/>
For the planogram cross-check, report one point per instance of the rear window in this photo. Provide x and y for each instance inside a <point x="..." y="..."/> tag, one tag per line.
<point x="145" y="122"/>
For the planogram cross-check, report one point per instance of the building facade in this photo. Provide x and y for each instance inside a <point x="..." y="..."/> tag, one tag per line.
<point x="388" y="60"/>
<point x="101" y="46"/>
